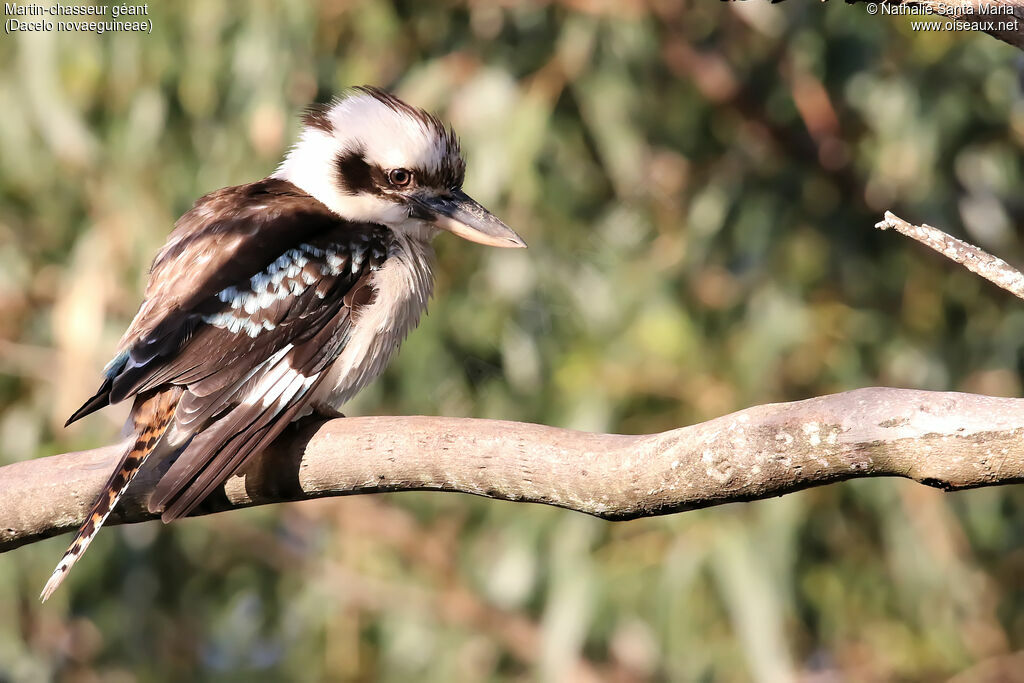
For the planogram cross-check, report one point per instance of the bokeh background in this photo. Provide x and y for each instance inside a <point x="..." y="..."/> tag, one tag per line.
<point x="698" y="183"/>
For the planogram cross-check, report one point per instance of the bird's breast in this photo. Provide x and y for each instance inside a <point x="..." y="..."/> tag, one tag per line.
<point x="402" y="288"/>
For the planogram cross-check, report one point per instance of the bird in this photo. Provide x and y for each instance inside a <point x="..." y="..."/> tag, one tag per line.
<point x="282" y="298"/>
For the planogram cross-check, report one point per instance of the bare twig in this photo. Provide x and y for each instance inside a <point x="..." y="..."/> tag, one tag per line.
<point x="993" y="269"/>
<point x="947" y="440"/>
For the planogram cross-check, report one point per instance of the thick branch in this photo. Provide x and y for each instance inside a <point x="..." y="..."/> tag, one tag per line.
<point x="947" y="440"/>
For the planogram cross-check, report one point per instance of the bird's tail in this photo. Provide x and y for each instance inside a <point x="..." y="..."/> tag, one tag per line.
<point x="151" y="416"/>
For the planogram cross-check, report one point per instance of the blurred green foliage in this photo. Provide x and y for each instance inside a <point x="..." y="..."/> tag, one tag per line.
<point x="697" y="182"/>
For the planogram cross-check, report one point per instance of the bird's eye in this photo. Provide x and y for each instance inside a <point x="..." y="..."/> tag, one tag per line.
<point x="399" y="177"/>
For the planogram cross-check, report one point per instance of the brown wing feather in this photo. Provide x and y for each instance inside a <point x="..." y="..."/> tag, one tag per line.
<point x="253" y="278"/>
<point x="240" y="393"/>
<point x="228" y="236"/>
<point x="219" y="457"/>
<point x="217" y="452"/>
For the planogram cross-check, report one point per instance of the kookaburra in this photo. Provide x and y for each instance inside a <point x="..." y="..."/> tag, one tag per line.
<point x="283" y="297"/>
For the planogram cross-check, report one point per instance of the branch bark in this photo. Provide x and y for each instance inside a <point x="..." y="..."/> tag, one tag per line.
<point x="980" y="262"/>
<point x="947" y="440"/>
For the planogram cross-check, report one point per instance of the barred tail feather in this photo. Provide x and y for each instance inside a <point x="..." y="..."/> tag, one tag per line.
<point x="152" y="417"/>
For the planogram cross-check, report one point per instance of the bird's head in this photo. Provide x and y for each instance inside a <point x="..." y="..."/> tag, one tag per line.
<point x="371" y="157"/>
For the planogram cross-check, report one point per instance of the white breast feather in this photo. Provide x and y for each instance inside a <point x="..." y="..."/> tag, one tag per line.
<point x="403" y="286"/>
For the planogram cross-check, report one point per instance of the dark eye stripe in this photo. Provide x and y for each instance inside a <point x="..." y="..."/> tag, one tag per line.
<point x="356" y="176"/>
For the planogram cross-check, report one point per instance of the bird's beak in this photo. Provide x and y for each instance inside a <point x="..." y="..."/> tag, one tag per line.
<point x="461" y="215"/>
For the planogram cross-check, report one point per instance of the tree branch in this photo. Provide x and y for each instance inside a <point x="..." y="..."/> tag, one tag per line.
<point x="947" y="440"/>
<point x="994" y="269"/>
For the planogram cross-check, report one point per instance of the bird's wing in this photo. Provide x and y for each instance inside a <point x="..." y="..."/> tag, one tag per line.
<point x="227" y="237"/>
<point x="238" y="400"/>
<point x="248" y="303"/>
